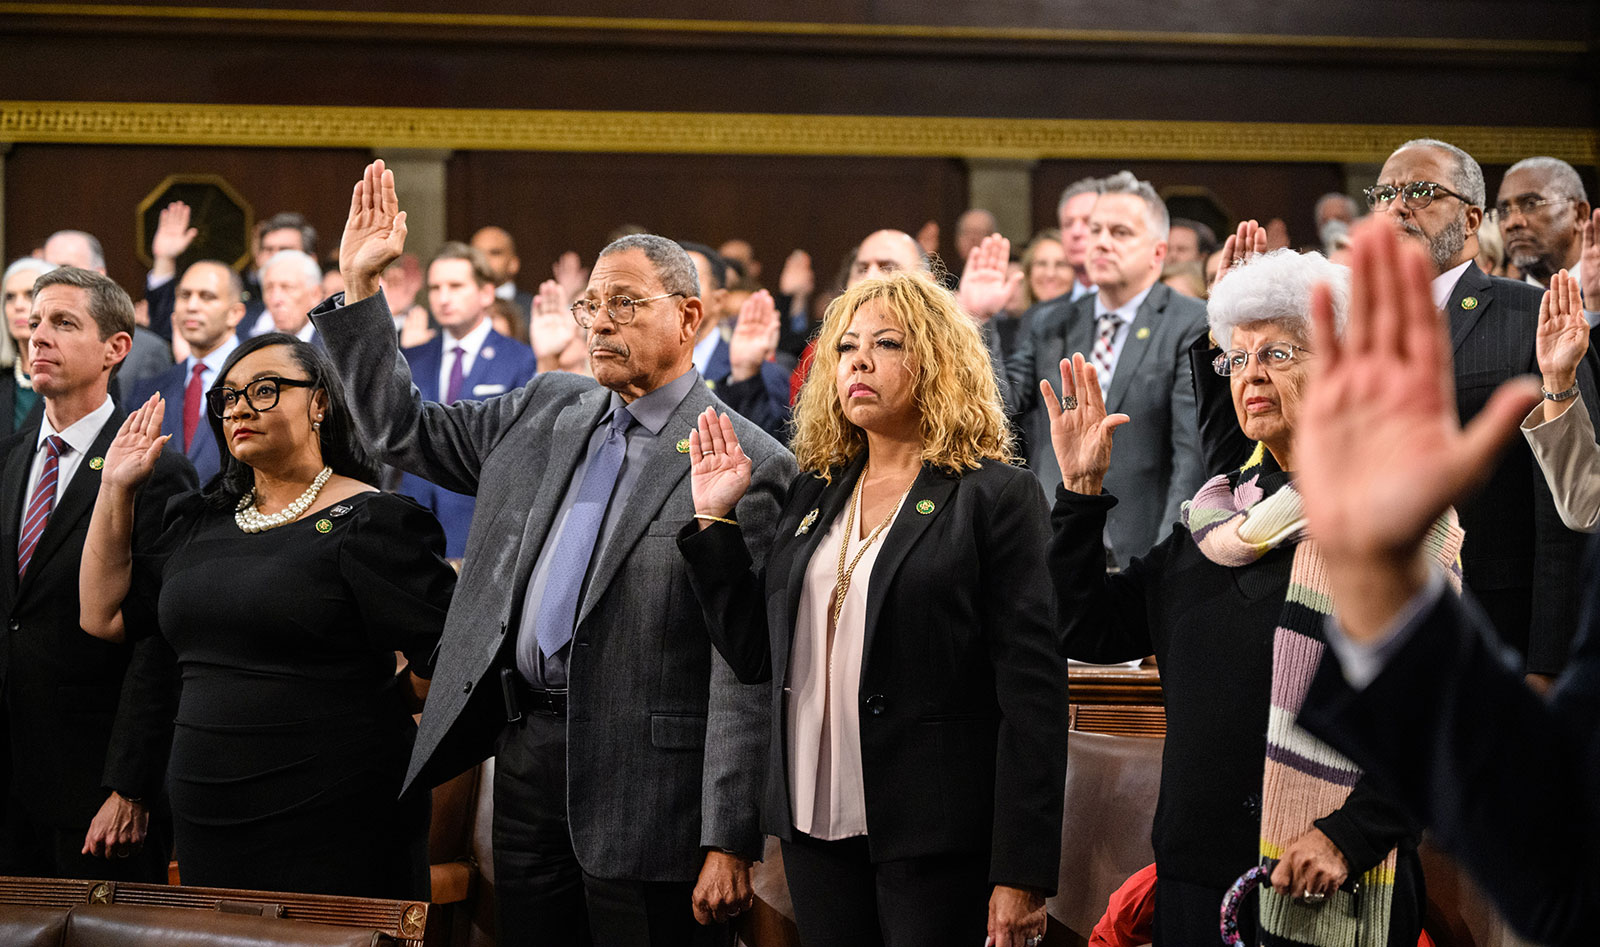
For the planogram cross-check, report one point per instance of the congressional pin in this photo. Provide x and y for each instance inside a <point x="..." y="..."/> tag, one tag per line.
<point x="487" y="352"/>
<point x="683" y="446"/>
<point x="324" y="526"/>
<point x="97" y="463"/>
<point x="924" y="507"/>
<point x="711" y="384"/>
<point x="805" y="524"/>
<point x="1143" y="333"/>
<point x="1470" y="303"/>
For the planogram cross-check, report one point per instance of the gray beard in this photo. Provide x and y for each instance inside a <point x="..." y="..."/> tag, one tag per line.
<point x="1448" y="244"/>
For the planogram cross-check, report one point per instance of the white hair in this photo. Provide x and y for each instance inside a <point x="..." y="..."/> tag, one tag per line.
<point x="1563" y="177"/>
<point x="1276" y="287"/>
<point x="310" y="271"/>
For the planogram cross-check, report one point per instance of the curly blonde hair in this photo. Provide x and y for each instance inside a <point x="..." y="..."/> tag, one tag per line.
<point x="962" y="420"/>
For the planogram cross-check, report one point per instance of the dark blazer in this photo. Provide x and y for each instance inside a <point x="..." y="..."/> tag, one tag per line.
<point x="1155" y="465"/>
<point x="162" y="301"/>
<point x="963" y="693"/>
<point x="150" y="356"/>
<point x="85" y="716"/>
<point x="763" y="400"/>
<point x="502" y="365"/>
<point x="172" y="384"/>
<point x="665" y="746"/>
<point x="1508" y="783"/>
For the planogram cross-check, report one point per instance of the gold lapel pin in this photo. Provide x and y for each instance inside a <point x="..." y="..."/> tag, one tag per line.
<point x="1470" y="303"/>
<point x="805" y="524"/>
<point x="97" y="463"/>
<point x="1143" y="333"/>
<point x="324" y="526"/>
<point x="924" y="507"/>
<point x="683" y="446"/>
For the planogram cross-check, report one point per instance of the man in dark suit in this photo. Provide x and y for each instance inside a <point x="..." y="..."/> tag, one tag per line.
<point x="1519" y="559"/>
<point x="756" y="387"/>
<point x="468" y="360"/>
<point x="1136" y="332"/>
<point x="208" y="312"/>
<point x="285" y="231"/>
<point x="291" y="283"/>
<point x="628" y="757"/>
<point x="88" y="724"/>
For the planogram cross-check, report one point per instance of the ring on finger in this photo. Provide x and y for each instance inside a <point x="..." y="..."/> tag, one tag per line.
<point x="1069" y="402"/>
<point x="1034" y="940"/>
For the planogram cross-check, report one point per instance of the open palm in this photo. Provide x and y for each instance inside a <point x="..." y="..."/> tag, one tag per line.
<point x="1563" y="334"/>
<point x="1080" y="429"/>
<point x="755" y="335"/>
<point x="131" y="458"/>
<point x="375" y="232"/>
<point x="719" y="470"/>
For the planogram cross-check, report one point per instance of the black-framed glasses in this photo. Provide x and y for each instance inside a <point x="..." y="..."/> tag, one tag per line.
<point x="1415" y="196"/>
<point x="1527" y="206"/>
<point x="621" y="309"/>
<point x="260" y="394"/>
<point x="1275" y="355"/>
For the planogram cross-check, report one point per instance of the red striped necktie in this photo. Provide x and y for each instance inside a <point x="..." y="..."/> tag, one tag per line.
<point x="42" y="501"/>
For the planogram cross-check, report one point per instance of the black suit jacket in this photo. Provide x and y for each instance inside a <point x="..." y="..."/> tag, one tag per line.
<point x="85" y="716"/>
<point x="963" y="698"/>
<point x="1519" y="559"/>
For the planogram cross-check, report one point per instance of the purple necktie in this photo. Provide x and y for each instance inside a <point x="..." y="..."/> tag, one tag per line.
<point x="452" y="390"/>
<point x="42" y="501"/>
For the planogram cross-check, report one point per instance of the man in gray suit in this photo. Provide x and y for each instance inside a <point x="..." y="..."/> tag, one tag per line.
<point x="629" y="758"/>
<point x="1136" y="332"/>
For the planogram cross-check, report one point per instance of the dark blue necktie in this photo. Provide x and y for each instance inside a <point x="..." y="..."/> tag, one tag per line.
<point x="569" y="564"/>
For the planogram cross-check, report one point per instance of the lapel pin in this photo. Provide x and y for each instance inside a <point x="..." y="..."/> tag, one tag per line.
<point x="711" y="384"/>
<point x="339" y="511"/>
<point x="1143" y="333"/>
<point x="924" y="507"/>
<point x="805" y="524"/>
<point x="1470" y="303"/>
<point x="324" y="526"/>
<point x="97" y="463"/>
<point x="683" y="446"/>
<point x="488" y="352"/>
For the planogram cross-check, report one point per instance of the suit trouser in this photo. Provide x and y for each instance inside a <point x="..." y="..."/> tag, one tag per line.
<point x="543" y="897"/>
<point x="32" y="847"/>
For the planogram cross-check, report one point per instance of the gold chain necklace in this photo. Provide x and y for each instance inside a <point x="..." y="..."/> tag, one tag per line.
<point x="842" y="584"/>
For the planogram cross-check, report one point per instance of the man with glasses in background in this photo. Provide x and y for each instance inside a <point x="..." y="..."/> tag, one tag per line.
<point x="1518" y="558"/>
<point x="1542" y="210"/>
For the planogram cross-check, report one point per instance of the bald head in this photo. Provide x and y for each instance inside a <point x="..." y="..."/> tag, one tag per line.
<point x="885" y="252"/>
<point x="75" y="248"/>
<point x="971" y="228"/>
<point x="500" y="250"/>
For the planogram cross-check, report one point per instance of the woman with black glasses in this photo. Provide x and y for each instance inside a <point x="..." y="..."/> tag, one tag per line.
<point x="285" y="587"/>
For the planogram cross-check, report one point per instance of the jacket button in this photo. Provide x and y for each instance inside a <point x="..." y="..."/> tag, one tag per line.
<point x="466" y="688"/>
<point x="875" y="704"/>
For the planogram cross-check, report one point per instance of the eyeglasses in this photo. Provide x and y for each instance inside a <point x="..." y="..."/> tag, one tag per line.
<point x="261" y="394"/>
<point x="1526" y="206"/>
<point x="621" y="309"/>
<point x="1273" y="355"/>
<point x="1415" y="196"/>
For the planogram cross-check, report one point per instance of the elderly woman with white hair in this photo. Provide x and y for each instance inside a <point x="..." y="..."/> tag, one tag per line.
<point x="17" y="397"/>
<point x="1233" y="604"/>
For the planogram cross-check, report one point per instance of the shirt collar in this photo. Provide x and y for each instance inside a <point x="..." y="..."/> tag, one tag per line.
<point x="704" y="348"/>
<point x="472" y="341"/>
<point x="1445" y="283"/>
<point x="653" y="410"/>
<point x="306" y="331"/>
<point x="81" y="433"/>
<point x="506" y="290"/>
<point x="1575" y="271"/>
<point x="213" y="362"/>
<point x="1127" y="310"/>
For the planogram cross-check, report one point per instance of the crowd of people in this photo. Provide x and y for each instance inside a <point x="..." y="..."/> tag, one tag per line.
<point x="700" y="561"/>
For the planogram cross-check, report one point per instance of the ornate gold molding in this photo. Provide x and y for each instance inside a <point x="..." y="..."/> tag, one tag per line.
<point x="151" y="123"/>
<point x="797" y="28"/>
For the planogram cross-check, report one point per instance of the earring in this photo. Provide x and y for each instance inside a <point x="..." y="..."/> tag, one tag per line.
<point x="316" y="425"/>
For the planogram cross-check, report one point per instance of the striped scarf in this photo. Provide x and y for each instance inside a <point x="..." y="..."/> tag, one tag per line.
<point x="1304" y="779"/>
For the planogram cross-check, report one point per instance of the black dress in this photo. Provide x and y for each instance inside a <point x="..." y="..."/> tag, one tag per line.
<point x="291" y="737"/>
<point x="1211" y="629"/>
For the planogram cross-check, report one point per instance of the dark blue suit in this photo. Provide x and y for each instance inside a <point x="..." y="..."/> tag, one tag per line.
<point x="763" y="401"/>
<point x="171" y="383"/>
<point x="503" y="365"/>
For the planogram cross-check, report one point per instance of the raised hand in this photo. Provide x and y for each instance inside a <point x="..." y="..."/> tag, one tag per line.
<point x="928" y="237"/>
<point x="1080" y="429"/>
<point x="1277" y="234"/>
<point x="571" y="275"/>
<point x="987" y="283"/>
<point x="551" y="327"/>
<point x="1248" y="242"/>
<point x="131" y="458"/>
<point x="719" y="472"/>
<point x="1563" y="335"/>
<point x="374" y="234"/>
<point x="755" y="336"/>
<point x="1589" y="260"/>
<point x="1379" y="450"/>
<point x="797" y="278"/>
<point x="173" y="236"/>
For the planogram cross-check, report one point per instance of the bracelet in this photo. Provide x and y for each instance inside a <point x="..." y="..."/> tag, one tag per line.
<point x="1560" y="395"/>
<point x="716" y="519"/>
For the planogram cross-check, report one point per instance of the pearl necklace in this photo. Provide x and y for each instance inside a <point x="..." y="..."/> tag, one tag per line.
<point x="23" y="380"/>
<point x="252" y="520"/>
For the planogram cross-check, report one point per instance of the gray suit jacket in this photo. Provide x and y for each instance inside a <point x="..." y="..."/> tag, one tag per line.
<point x="666" y="749"/>
<point x="1155" y="463"/>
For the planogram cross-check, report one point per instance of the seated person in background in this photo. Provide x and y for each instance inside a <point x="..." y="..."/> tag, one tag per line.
<point x="1232" y="604"/>
<point x="208" y="312"/>
<point x="739" y="367"/>
<point x="467" y="361"/>
<point x="293" y="729"/>
<point x="1421" y="694"/>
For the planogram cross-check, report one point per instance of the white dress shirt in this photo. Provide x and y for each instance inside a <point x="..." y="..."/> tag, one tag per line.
<point x="1576" y="272"/>
<point x="1445" y="283"/>
<point x="79" y="436"/>
<point x="470" y="345"/>
<point x="1128" y="311"/>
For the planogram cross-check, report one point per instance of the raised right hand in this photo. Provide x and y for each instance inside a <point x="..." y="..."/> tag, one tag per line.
<point x="1248" y="242"/>
<point x="374" y="234"/>
<point x="551" y="327"/>
<point x="1563" y="335"/>
<point x="131" y="458"/>
<point x="173" y="234"/>
<point x="719" y="470"/>
<point x="1081" y="434"/>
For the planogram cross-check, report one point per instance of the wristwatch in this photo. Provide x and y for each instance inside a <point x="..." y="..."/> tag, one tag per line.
<point x="1567" y="395"/>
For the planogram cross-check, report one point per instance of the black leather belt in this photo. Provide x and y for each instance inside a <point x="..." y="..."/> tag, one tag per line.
<point x="523" y="698"/>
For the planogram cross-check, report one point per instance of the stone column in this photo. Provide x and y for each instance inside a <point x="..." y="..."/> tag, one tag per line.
<point x="1003" y="187"/>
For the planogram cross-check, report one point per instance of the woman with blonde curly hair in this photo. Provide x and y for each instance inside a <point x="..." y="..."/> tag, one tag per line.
<point x="919" y="705"/>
